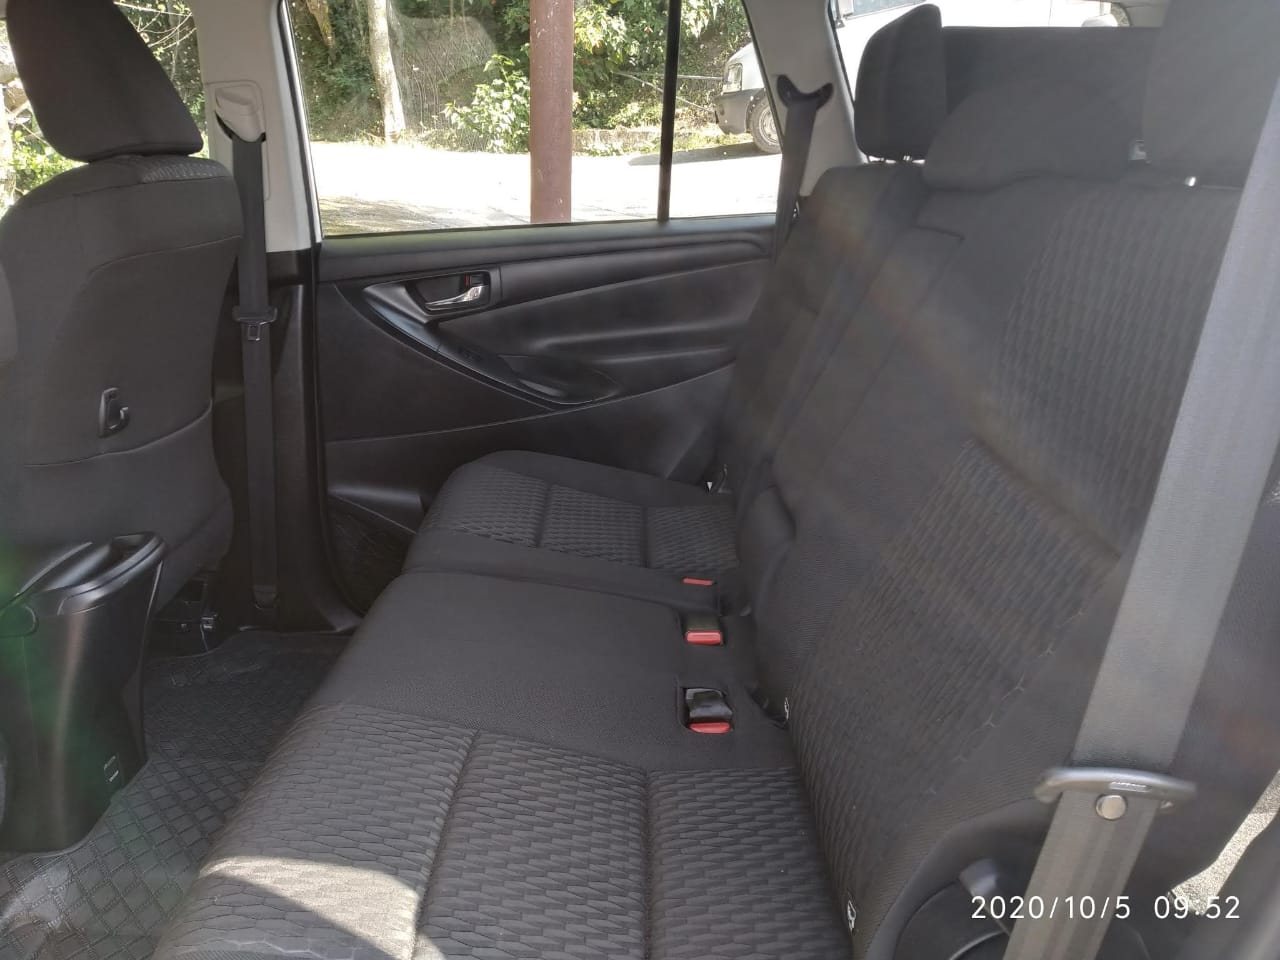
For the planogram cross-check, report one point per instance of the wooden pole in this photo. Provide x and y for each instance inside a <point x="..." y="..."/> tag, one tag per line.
<point x="550" y="110"/>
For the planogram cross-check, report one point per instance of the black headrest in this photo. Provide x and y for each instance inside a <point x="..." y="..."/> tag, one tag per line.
<point x="1212" y="76"/>
<point x="95" y="88"/>
<point x="901" y="96"/>
<point x="1014" y="130"/>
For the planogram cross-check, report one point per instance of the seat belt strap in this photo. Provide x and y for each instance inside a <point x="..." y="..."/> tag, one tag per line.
<point x="802" y="109"/>
<point x="1220" y="454"/>
<point x="255" y="315"/>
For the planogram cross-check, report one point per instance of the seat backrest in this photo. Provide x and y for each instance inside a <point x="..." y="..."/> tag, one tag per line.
<point x="118" y="270"/>
<point x="990" y="202"/>
<point x="845" y="229"/>
<point x="962" y="544"/>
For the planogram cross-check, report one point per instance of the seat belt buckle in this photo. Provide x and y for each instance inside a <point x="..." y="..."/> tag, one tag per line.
<point x="1114" y="788"/>
<point x="703" y="630"/>
<point x="698" y="582"/>
<point x="252" y="321"/>
<point x="707" y="711"/>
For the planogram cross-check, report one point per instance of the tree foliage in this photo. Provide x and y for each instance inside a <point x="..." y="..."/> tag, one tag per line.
<point x="499" y="110"/>
<point x="461" y="66"/>
<point x="482" y="103"/>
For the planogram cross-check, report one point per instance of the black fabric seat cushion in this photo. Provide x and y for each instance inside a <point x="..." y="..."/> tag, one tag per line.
<point x="534" y="516"/>
<point x="577" y="669"/>
<point x="497" y="769"/>
<point x="377" y="834"/>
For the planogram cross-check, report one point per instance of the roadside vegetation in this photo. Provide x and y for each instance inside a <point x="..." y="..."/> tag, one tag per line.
<point x="461" y="69"/>
<point x="449" y="74"/>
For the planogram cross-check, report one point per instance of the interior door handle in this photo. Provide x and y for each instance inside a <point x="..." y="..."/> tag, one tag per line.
<point x="474" y="294"/>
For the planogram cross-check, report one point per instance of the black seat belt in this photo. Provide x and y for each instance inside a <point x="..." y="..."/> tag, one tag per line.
<point x="802" y="109"/>
<point x="255" y="315"/>
<point x="1224" y="440"/>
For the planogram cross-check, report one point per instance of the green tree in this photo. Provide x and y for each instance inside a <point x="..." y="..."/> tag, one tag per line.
<point x="619" y="49"/>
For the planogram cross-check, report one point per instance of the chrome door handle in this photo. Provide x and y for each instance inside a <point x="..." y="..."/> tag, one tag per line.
<point x="473" y="294"/>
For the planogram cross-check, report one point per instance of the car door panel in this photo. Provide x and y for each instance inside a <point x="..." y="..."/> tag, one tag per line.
<point x="605" y="342"/>
<point x="656" y="433"/>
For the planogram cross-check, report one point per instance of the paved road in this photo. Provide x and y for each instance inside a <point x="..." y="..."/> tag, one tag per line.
<point x="366" y="188"/>
<point x="1198" y="889"/>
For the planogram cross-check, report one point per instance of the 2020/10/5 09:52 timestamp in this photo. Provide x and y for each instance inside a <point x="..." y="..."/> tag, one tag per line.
<point x="1167" y="906"/>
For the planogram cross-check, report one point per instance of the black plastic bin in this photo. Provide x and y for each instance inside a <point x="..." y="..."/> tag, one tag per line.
<point x="71" y="645"/>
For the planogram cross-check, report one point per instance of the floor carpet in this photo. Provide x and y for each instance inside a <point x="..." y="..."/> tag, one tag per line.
<point x="210" y="722"/>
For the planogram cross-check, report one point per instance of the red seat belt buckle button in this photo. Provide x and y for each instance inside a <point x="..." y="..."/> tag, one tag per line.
<point x="704" y="638"/>
<point x="703" y="630"/>
<point x="698" y="582"/>
<point x="711" y="726"/>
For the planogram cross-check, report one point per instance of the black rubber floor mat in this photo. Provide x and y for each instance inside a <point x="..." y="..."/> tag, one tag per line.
<point x="210" y="723"/>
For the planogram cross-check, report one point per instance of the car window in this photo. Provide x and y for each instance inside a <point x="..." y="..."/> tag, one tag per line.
<point x="26" y="158"/>
<point x="424" y="114"/>
<point x="860" y="7"/>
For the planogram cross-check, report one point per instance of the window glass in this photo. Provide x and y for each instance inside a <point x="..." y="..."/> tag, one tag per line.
<point x="726" y="156"/>
<point x="26" y="158"/>
<point x="861" y="7"/>
<point x="424" y="114"/>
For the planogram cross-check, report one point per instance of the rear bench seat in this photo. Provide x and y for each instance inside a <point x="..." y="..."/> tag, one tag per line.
<point x="499" y="767"/>
<point x="552" y="519"/>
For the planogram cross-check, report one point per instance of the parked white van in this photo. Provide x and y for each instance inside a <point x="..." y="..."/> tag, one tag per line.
<point x="744" y="107"/>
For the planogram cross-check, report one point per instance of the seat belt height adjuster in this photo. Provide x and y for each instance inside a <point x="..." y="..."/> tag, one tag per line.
<point x="1114" y="788"/>
<point x="252" y="321"/>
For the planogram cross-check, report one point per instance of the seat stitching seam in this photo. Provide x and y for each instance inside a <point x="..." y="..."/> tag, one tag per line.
<point x="442" y="842"/>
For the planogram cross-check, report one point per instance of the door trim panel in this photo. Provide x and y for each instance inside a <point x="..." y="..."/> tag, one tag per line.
<point x="377" y="256"/>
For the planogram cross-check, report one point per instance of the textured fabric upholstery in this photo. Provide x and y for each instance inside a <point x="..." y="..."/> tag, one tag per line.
<point x="599" y="675"/>
<point x="117" y="270"/>
<point x="434" y="840"/>
<point x="532" y="516"/>
<point x="1206" y="101"/>
<point x="8" y="324"/>
<point x="103" y="94"/>
<point x="518" y="500"/>
<point x="497" y="766"/>
<point x="998" y="135"/>
<point x="1028" y="506"/>
<point x="900" y="97"/>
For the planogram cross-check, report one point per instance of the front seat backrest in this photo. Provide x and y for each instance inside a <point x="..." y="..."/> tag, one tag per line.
<point x="117" y="271"/>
